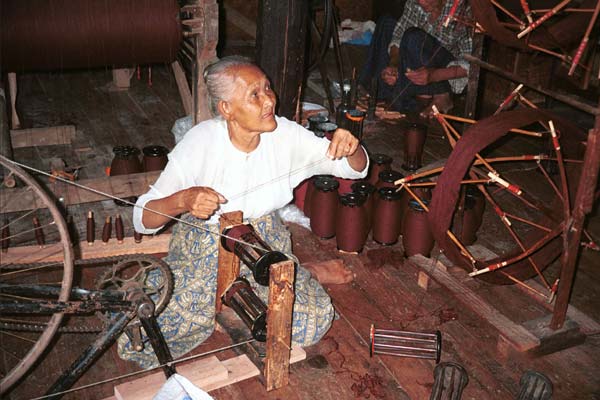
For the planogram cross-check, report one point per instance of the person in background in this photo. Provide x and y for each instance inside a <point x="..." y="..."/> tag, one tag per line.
<point x="416" y="60"/>
<point x="245" y="158"/>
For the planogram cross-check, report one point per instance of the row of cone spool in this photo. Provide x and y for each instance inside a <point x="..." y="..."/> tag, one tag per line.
<point x="351" y="209"/>
<point x="126" y="159"/>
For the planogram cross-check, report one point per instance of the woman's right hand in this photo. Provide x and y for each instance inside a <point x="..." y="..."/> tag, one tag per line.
<point x="389" y="75"/>
<point x="202" y="202"/>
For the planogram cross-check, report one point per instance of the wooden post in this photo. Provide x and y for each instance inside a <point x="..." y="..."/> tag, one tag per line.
<point x="206" y="52"/>
<point x="473" y="79"/>
<point x="279" y="324"/>
<point x="12" y="89"/>
<point x="229" y="263"/>
<point x="183" y="87"/>
<point x="280" y="47"/>
<point x="5" y="143"/>
<point x="584" y="201"/>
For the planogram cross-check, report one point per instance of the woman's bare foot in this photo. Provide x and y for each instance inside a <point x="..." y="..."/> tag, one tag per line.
<point x="442" y="101"/>
<point x="330" y="271"/>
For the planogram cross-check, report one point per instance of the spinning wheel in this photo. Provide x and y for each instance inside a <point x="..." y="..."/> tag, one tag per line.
<point x="31" y="345"/>
<point x="529" y="203"/>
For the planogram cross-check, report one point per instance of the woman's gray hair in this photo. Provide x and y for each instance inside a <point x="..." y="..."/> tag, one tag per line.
<point x="219" y="82"/>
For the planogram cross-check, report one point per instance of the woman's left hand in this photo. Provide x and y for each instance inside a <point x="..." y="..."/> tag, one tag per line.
<point x="343" y="144"/>
<point x="421" y="76"/>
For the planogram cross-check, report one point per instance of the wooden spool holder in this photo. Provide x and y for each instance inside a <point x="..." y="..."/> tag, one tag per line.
<point x="279" y="314"/>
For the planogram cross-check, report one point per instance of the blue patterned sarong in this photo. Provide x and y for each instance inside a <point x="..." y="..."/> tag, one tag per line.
<point x="189" y="318"/>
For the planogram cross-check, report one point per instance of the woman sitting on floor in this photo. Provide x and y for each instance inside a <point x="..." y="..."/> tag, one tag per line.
<point x="247" y="159"/>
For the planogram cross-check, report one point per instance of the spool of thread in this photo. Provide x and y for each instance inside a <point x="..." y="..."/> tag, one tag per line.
<point x="248" y="306"/>
<point x="388" y="178"/>
<point x="4" y="236"/>
<point x="378" y="162"/>
<point x="39" y="233"/>
<point x="310" y="188"/>
<point x="155" y="158"/>
<point x="106" y="230"/>
<point x="137" y="237"/>
<point x="345" y="185"/>
<point x="323" y="207"/>
<point x="354" y="122"/>
<point x="450" y="380"/>
<point x="328" y="129"/>
<point x="417" y="237"/>
<point x="125" y="161"/>
<point x="255" y="253"/>
<point x="351" y="223"/>
<point x="300" y="194"/>
<point x="387" y="216"/>
<point x="119" y="230"/>
<point x="90" y="229"/>
<point x="368" y="191"/>
<point x="313" y="124"/>
<point x="414" y="136"/>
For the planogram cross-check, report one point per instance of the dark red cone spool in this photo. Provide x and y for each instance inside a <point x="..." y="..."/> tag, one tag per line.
<point x="310" y="189"/>
<point x="416" y="235"/>
<point x="423" y="193"/>
<point x="300" y="195"/>
<point x="125" y="161"/>
<point x="387" y="216"/>
<point x="368" y="191"/>
<point x="345" y="185"/>
<point x="387" y="179"/>
<point x="472" y="215"/>
<point x="414" y="139"/>
<point x="351" y="223"/>
<point x="378" y="162"/>
<point x="155" y="158"/>
<point x="323" y="207"/>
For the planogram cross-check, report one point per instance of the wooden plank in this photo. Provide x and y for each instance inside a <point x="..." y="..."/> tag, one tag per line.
<point x="229" y="263"/>
<point x="279" y="324"/>
<point x="517" y="335"/>
<point x="53" y="253"/>
<point x="122" y="186"/>
<point x="205" y="371"/>
<point x="46" y="136"/>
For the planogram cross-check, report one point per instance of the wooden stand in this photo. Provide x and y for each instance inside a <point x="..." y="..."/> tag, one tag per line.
<point x="279" y="314"/>
<point x="530" y="337"/>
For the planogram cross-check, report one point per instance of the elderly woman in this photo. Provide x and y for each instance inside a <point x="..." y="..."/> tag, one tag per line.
<point x="247" y="159"/>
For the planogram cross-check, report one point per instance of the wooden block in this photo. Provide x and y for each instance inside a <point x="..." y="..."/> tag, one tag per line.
<point x="42" y="136"/>
<point x="279" y="324"/>
<point x="122" y="77"/>
<point x="238" y="369"/>
<point x="201" y="373"/>
<point x="229" y="264"/>
<point x="553" y="340"/>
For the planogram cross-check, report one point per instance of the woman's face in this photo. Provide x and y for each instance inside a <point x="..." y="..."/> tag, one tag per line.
<point x="252" y="104"/>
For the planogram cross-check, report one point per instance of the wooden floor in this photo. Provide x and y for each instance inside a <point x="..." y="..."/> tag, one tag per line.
<point x="384" y="292"/>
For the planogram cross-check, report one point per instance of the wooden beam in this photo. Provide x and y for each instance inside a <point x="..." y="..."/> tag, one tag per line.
<point x="229" y="263"/>
<point x="280" y="48"/>
<point x="47" y="136"/>
<point x="515" y="78"/>
<point x="122" y="186"/>
<point x="279" y="324"/>
<point x="53" y="252"/>
<point x="238" y="19"/>
<point x="183" y="87"/>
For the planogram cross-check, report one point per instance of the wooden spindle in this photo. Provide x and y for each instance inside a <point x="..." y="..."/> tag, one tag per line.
<point x="106" y="230"/>
<point x="119" y="231"/>
<point x="39" y="233"/>
<point x="90" y="232"/>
